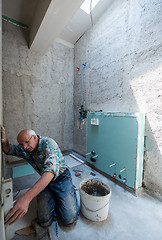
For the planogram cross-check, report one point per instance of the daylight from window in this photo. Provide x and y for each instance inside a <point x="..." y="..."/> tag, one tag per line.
<point x="88" y="5"/>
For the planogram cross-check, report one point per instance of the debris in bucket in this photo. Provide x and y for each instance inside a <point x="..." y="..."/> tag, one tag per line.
<point x="95" y="189"/>
<point x="94" y="199"/>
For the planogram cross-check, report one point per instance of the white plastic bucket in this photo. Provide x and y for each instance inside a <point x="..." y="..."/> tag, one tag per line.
<point x="94" y="199"/>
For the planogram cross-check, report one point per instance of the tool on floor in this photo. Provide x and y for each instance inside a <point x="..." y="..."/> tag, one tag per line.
<point x="91" y="173"/>
<point x="77" y="174"/>
<point x="77" y="170"/>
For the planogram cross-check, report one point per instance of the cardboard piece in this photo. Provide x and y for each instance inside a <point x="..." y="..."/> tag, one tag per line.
<point x="25" y="231"/>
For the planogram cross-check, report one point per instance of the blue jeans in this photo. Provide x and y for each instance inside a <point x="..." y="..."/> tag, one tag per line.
<point x="59" y="196"/>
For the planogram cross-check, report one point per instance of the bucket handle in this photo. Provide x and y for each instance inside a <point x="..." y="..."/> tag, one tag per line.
<point x="95" y="210"/>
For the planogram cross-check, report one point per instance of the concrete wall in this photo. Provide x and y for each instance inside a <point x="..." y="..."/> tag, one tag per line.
<point x="123" y="51"/>
<point x="37" y="89"/>
<point x="1" y="118"/>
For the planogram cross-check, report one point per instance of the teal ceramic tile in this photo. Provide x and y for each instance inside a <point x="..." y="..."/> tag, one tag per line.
<point x="22" y="170"/>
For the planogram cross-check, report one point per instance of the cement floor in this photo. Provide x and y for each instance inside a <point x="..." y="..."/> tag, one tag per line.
<point x="129" y="218"/>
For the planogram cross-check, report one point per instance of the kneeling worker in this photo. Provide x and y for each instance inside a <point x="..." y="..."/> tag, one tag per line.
<point x="54" y="190"/>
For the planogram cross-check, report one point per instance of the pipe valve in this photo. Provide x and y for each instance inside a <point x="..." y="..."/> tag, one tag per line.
<point x="90" y="153"/>
<point x="124" y="180"/>
<point x="123" y="170"/>
<point x="114" y="176"/>
<point x="112" y="165"/>
<point x="93" y="158"/>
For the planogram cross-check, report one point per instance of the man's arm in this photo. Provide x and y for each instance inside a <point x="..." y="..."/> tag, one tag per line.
<point x="5" y="143"/>
<point x="21" y="205"/>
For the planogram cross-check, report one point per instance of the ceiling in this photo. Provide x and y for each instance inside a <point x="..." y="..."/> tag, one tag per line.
<point x="53" y="20"/>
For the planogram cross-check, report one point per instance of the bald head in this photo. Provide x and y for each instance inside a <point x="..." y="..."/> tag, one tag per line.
<point x="23" y="133"/>
<point x="28" y="139"/>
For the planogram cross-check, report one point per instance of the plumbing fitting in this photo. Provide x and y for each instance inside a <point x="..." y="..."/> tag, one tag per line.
<point x="114" y="176"/>
<point x="112" y="165"/>
<point x="93" y="158"/>
<point x="123" y="170"/>
<point x="124" y="180"/>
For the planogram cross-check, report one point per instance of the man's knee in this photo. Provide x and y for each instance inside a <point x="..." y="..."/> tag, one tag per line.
<point x="45" y="223"/>
<point x="66" y="221"/>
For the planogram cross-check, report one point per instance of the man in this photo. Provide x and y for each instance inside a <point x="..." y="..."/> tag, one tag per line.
<point x="54" y="189"/>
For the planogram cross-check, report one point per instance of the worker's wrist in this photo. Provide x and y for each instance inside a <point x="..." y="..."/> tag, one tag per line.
<point x="28" y="195"/>
<point x="5" y="147"/>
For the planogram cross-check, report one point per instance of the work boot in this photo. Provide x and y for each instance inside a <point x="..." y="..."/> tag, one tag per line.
<point x="41" y="232"/>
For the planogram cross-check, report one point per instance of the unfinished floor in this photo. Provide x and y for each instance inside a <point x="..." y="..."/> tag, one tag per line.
<point x="130" y="217"/>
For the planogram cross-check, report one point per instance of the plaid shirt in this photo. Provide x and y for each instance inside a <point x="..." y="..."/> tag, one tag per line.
<point x="47" y="158"/>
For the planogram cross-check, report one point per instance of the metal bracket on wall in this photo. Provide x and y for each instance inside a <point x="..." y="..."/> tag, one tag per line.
<point x="7" y="196"/>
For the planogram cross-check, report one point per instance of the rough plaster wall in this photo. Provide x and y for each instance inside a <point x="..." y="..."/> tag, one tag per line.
<point x="37" y="89"/>
<point x="124" y="51"/>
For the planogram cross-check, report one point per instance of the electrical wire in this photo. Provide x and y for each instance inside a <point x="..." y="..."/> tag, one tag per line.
<point x="82" y="85"/>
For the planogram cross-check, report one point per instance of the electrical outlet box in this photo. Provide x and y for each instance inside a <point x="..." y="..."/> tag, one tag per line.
<point x="95" y="121"/>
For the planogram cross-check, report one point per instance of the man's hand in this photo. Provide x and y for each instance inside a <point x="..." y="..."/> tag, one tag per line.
<point x="3" y="135"/>
<point x="4" y="140"/>
<point x="18" y="211"/>
<point x="21" y="205"/>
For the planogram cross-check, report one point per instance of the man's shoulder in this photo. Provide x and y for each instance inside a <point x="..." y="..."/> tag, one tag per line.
<point x="44" y="141"/>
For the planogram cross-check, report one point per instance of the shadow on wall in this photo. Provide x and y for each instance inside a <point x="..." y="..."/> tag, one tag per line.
<point x="146" y="86"/>
<point x="152" y="177"/>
